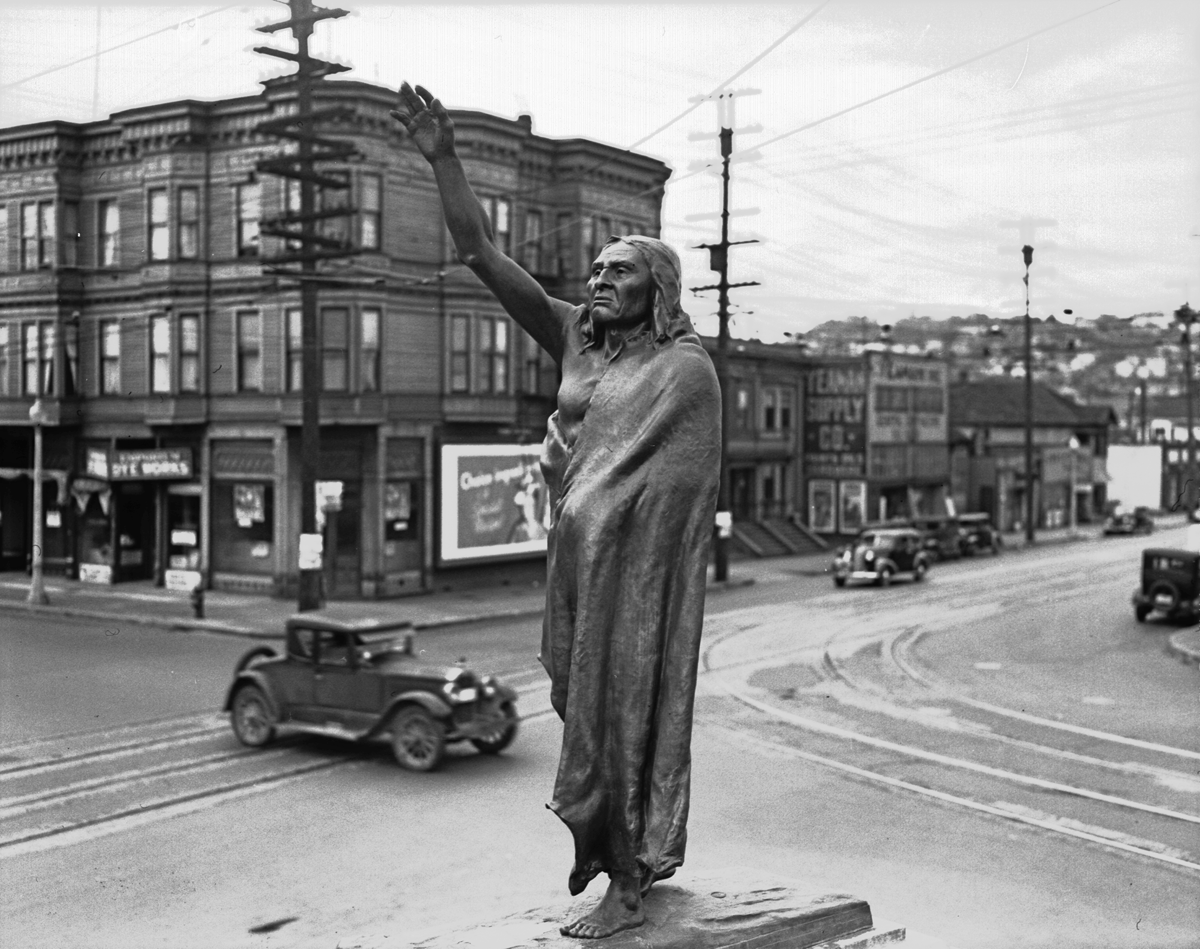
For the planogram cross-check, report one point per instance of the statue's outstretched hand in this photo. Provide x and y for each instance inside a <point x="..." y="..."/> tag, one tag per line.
<point x="426" y="120"/>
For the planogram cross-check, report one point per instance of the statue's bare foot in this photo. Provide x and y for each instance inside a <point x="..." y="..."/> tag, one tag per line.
<point x="620" y="908"/>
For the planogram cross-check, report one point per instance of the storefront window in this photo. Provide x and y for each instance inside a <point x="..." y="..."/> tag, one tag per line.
<point x="400" y="510"/>
<point x="243" y="527"/>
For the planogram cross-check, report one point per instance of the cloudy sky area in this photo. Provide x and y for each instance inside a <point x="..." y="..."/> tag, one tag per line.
<point x="906" y="205"/>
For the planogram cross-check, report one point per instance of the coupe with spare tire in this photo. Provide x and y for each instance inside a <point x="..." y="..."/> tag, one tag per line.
<point x="358" y="679"/>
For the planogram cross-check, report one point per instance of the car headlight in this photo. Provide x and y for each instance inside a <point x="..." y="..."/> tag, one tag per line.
<point x="460" y="695"/>
<point x="869" y="556"/>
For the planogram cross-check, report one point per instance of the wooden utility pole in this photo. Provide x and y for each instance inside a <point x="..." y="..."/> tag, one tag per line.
<point x="1030" y="501"/>
<point x="306" y="245"/>
<point x="719" y="261"/>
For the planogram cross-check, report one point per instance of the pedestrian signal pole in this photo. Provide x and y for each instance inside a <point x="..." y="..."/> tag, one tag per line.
<point x="306" y="242"/>
<point x="719" y="261"/>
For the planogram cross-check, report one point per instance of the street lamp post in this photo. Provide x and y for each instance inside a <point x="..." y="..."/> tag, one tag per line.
<point x="1027" y="251"/>
<point x="1144" y="375"/>
<point x="1186" y="317"/>
<point x="1072" y="518"/>
<point x="37" y="588"/>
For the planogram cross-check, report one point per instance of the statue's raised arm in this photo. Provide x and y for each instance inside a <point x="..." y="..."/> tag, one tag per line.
<point x="432" y="131"/>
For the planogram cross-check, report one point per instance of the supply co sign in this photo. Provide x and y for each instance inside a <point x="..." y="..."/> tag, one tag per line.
<point x="150" y="464"/>
<point x="835" y="422"/>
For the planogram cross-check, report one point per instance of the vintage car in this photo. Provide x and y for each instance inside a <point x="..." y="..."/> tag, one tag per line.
<point x="359" y="680"/>
<point x="943" y="537"/>
<point x="979" y="534"/>
<point x="881" y="553"/>
<point x="1126" y="521"/>
<point x="1170" y="584"/>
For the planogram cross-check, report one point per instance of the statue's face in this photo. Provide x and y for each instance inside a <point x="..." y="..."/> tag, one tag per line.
<point x="620" y="290"/>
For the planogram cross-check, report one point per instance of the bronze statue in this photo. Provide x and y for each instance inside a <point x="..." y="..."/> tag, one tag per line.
<point x="632" y="460"/>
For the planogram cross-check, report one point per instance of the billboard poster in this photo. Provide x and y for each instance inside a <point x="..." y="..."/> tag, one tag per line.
<point x="835" y="422"/>
<point x="853" y="506"/>
<point x="822" y="511"/>
<point x="494" y="502"/>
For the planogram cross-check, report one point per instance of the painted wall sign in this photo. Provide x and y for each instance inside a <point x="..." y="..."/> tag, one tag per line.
<point x="835" y="422"/>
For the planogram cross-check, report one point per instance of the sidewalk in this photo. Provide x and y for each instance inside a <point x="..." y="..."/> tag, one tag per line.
<point x="262" y="617"/>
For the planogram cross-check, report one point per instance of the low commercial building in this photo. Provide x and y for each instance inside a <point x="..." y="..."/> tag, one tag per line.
<point x="1070" y="481"/>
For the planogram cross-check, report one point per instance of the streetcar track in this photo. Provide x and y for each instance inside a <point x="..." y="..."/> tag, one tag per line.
<point x="151" y="809"/>
<point x="22" y="804"/>
<point x="58" y="762"/>
<point x="824" y="659"/>
<point x="911" y="672"/>
<point x="1009" y="813"/>
<point x="912" y="751"/>
<point x="145" y="812"/>
<point x="982" y="731"/>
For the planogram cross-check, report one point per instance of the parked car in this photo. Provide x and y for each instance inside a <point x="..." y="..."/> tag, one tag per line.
<point x="1125" y="521"/>
<point x="879" y="554"/>
<point x="1170" y="584"/>
<point x="979" y="534"/>
<point x="944" y="537"/>
<point x="359" y="680"/>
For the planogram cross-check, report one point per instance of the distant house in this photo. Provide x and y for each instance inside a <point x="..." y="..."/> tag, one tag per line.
<point x="988" y="422"/>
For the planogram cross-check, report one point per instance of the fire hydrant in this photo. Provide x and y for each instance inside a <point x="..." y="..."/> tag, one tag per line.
<point x="197" y="598"/>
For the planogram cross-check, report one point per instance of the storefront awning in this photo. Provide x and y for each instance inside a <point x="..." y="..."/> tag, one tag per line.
<point x="48" y="474"/>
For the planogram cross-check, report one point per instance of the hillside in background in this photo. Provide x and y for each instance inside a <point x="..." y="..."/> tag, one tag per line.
<point x="1096" y="362"/>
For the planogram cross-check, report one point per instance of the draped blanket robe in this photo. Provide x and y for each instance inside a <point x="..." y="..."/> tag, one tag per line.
<point x="632" y="460"/>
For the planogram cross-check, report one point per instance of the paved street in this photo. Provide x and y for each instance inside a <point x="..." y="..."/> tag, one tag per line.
<point x="998" y="752"/>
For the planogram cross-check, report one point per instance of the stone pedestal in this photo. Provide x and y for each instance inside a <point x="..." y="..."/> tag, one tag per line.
<point x="732" y="908"/>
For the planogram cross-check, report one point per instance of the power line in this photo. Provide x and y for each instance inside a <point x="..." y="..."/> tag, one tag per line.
<point x="691" y="108"/>
<point x="923" y="79"/>
<point x="95" y="55"/>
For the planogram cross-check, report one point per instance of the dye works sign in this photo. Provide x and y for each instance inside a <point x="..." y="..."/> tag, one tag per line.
<point x="149" y="464"/>
<point x="494" y="502"/>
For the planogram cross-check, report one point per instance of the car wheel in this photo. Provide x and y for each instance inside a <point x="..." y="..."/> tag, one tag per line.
<point x="251" y="717"/>
<point x="919" y="571"/>
<point x="839" y="581"/>
<point x="885" y="577"/>
<point x="1141" y="612"/>
<point x="418" y="739"/>
<point x="502" y="736"/>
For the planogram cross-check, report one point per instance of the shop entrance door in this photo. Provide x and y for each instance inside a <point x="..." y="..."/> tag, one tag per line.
<point x="341" y="503"/>
<point x="135" y="531"/>
<point x="741" y="493"/>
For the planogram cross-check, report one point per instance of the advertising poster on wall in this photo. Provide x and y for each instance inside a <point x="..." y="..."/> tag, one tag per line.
<point x="494" y="502"/>
<point x="835" y="422"/>
<point x="822" y="509"/>
<point x="853" y="506"/>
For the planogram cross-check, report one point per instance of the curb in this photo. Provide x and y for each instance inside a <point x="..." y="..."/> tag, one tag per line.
<point x="1189" y="655"/>
<point x="183" y="624"/>
<point x="193" y="625"/>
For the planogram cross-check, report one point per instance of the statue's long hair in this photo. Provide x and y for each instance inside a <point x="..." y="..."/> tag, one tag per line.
<point x="668" y="319"/>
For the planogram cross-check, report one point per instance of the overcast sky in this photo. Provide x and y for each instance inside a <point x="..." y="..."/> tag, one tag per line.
<point x="905" y="205"/>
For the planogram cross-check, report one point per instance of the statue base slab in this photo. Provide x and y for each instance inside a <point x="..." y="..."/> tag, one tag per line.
<point x="732" y="908"/>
